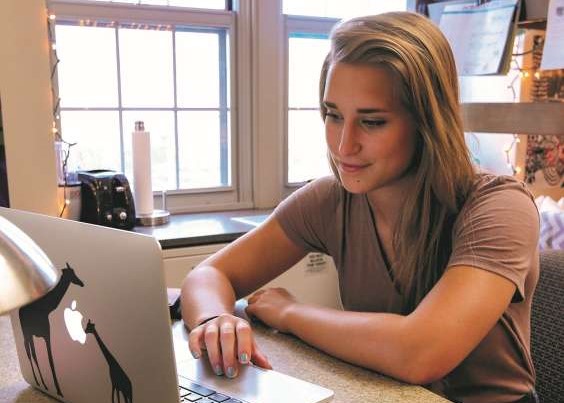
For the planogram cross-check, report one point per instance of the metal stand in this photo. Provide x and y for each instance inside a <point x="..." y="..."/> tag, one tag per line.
<point x="157" y="217"/>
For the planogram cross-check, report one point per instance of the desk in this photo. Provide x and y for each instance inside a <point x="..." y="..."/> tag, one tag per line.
<point x="286" y="354"/>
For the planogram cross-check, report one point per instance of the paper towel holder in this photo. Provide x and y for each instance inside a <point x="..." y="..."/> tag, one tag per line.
<point x="145" y="215"/>
<point x="157" y="217"/>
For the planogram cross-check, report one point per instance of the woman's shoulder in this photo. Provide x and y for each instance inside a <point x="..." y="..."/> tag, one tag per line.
<point x="499" y="195"/>
<point x="320" y="190"/>
<point x="326" y="183"/>
<point x="488" y="186"/>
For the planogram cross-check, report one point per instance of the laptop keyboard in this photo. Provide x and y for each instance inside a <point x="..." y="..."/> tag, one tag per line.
<point x="192" y="392"/>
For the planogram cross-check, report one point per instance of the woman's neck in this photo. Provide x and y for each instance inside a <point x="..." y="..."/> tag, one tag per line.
<point x="386" y="202"/>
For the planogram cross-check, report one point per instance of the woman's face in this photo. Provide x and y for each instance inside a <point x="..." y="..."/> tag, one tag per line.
<point x="370" y="135"/>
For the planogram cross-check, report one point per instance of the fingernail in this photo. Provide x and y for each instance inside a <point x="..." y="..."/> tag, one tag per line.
<point x="195" y="354"/>
<point x="218" y="370"/>
<point x="243" y="358"/>
<point x="231" y="372"/>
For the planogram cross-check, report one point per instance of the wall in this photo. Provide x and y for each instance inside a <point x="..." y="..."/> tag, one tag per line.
<point x="25" y="89"/>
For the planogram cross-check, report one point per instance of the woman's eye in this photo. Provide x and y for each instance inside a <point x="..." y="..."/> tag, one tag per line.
<point x="372" y="123"/>
<point x="332" y="116"/>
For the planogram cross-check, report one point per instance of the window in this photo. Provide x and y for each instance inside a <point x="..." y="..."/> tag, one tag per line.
<point x="308" y="24"/>
<point x="306" y="140"/>
<point x="167" y="66"/>
<point x="230" y="96"/>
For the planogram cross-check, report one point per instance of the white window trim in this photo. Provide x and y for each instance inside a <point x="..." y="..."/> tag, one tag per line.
<point x="239" y="194"/>
<point x="267" y="103"/>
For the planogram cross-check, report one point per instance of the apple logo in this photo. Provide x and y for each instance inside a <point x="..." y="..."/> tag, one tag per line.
<point x="73" y="322"/>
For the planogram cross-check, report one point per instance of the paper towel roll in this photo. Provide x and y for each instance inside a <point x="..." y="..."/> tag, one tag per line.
<point x="142" y="186"/>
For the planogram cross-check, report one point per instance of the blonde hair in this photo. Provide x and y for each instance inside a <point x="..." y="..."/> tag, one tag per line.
<point x="419" y="57"/>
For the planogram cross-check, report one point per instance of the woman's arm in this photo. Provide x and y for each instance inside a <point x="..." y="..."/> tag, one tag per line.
<point x="418" y="348"/>
<point x="213" y="286"/>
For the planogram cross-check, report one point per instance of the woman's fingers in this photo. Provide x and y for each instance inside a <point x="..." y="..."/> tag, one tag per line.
<point x="244" y="342"/>
<point x="195" y="342"/>
<point x="258" y="358"/>
<point x="254" y="297"/>
<point x="229" y="342"/>
<point x="211" y="338"/>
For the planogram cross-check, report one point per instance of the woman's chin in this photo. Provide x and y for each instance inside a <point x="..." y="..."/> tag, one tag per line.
<point x="354" y="185"/>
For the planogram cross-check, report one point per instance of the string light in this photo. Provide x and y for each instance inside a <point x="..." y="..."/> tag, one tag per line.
<point x="522" y="74"/>
<point x="55" y="129"/>
<point x="51" y="19"/>
<point x="507" y="151"/>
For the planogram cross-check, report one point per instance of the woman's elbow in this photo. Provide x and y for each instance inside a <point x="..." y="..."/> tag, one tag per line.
<point x="423" y="371"/>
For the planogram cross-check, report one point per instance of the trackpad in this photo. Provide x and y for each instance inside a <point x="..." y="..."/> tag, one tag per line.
<point x="254" y="384"/>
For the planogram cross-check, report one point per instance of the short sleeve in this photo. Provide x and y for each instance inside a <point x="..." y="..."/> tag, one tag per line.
<point x="498" y="230"/>
<point x="306" y="215"/>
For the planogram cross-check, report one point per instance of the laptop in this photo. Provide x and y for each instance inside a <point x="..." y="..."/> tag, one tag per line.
<point x="103" y="334"/>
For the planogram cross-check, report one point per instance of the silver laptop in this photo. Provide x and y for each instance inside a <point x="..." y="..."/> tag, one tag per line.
<point x="103" y="334"/>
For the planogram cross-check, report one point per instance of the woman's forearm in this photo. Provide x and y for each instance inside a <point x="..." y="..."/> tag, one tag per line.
<point x="206" y="292"/>
<point x="379" y="341"/>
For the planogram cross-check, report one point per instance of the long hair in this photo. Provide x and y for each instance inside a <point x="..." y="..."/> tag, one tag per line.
<point x="419" y="58"/>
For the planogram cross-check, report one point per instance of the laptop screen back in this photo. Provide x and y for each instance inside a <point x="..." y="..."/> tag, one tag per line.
<point x="104" y="329"/>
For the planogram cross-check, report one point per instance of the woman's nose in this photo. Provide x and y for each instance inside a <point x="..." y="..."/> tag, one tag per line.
<point x="349" y="144"/>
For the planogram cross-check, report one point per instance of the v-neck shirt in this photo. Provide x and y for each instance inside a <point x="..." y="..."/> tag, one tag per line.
<point x="496" y="230"/>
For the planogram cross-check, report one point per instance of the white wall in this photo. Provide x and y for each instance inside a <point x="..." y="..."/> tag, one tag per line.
<point x="25" y="90"/>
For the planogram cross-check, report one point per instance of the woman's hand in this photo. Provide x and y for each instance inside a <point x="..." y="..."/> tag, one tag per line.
<point x="229" y="342"/>
<point x="272" y="306"/>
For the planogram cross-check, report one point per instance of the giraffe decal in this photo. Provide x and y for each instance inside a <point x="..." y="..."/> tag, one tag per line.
<point x="34" y="320"/>
<point x="120" y="380"/>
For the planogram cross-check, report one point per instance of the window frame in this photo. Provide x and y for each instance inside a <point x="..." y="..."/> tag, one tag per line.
<point x="238" y="195"/>
<point x="294" y="24"/>
<point x="306" y="25"/>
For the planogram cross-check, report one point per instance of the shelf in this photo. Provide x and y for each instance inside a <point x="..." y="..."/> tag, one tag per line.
<point x="533" y="24"/>
<point x="520" y="118"/>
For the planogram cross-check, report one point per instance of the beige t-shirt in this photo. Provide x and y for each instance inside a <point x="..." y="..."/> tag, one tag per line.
<point x="497" y="230"/>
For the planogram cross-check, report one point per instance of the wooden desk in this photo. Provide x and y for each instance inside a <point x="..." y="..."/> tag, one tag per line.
<point x="286" y="354"/>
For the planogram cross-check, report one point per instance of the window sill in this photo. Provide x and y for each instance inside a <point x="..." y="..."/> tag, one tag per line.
<point x="195" y="229"/>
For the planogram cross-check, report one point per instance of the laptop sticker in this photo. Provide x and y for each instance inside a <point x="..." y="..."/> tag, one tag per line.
<point x="120" y="380"/>
<point x="73" y="323"/>
<point x="34" y="320"/>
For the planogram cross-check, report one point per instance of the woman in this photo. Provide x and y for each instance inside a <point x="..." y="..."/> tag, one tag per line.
<point x="437" y="264"/>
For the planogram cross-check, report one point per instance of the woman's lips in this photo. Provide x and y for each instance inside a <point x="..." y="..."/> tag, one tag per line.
<point x="351" y="168"/>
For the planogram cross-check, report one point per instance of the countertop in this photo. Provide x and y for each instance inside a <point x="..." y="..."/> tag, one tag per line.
<point x="287" y="354"/>
<point x="196" y="229"/>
